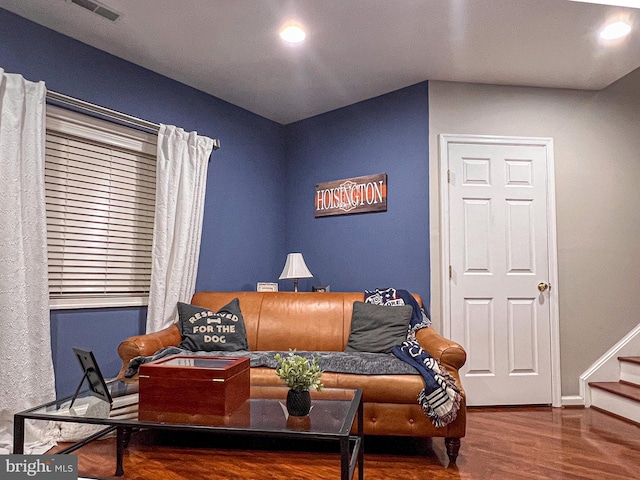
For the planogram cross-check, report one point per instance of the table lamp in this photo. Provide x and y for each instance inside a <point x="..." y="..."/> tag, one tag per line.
<point x="295" y="268"/>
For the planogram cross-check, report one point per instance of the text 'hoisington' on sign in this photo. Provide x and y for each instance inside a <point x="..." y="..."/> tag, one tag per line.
<point x="352" y="195"/>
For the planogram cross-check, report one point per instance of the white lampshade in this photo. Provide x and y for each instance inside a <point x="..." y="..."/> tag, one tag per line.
<point x="295" y="268"/>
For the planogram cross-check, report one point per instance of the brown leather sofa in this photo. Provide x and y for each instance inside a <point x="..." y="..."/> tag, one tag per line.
<point x="322" y="322"/>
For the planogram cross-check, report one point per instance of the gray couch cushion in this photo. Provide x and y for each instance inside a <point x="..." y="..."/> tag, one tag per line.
<point x="376" y="328"/>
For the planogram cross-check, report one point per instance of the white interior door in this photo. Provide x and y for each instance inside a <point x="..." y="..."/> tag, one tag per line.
<point x="499" y="234"/>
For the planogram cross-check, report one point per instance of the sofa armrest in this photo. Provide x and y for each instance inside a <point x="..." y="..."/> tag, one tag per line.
<point x="450" y="354"/>
<point x="146" y="345"/>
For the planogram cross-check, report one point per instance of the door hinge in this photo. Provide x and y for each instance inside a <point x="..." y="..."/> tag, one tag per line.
<point x="450" y="271"/>
<point x="448" y="176"/>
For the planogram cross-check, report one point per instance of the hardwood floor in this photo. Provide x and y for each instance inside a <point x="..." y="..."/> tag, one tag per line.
<point x="501" y="443"/>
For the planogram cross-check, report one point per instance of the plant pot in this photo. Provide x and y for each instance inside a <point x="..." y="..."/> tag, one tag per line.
<point x="301" y="424"/>
<point x="298" y="402"/>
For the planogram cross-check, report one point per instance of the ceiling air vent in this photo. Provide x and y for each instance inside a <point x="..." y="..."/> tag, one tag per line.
<point x="98" y="8"/>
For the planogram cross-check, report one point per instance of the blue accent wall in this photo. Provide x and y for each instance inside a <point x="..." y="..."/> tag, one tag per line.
<point x="100" y="330"/>
<point x="387" y="134"/>
<point x="244" y="225"/>
<point x="260" y="187"/>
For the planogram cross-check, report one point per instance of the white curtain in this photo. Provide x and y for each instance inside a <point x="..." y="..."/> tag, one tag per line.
<point x="26" y="367"/>
<point x="183" y="159"/>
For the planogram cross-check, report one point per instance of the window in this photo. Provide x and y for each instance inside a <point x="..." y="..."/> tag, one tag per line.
<point x="100" y="190"/>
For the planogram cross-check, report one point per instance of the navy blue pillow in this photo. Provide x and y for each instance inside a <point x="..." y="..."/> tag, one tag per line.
<point x="205" y="331"/>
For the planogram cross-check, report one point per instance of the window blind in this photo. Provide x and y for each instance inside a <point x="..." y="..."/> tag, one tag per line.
<point x="100" y="190"/>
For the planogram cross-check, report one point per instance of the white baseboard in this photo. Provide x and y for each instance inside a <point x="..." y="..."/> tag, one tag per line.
<point x="572" y="401"/>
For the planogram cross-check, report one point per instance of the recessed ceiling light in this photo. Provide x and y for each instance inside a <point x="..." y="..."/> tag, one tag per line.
<point x="615" y="30"/>
<point x="292" y="34"/>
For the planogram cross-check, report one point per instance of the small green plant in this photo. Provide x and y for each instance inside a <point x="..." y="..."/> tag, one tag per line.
<point x="298" y="373"/>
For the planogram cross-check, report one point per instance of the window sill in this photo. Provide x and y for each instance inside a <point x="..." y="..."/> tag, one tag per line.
<point x="97" y="302"/>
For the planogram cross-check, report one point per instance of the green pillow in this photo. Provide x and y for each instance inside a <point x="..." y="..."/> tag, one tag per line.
<point x="205" y="331"/>
<point x="376" y="328"/>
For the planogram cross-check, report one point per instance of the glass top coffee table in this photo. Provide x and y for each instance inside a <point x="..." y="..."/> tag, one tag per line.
<point x="336" y="416"/>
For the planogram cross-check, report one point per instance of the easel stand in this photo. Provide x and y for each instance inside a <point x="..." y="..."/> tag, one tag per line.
<point x="75" y="395"/>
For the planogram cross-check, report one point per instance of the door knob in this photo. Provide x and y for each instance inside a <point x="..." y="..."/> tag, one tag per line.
<point x="543" y="286"/>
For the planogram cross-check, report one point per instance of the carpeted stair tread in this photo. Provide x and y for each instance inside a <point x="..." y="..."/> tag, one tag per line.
<point x="624" y="389"/>
<point x="630" y="359"/>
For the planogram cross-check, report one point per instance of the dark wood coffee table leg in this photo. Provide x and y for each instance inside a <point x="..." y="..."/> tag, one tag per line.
<point x="122" y="441"/>
<point x="127" y="436"/>
<point x="361" y="437"/>
<point x="349" y="457"/>
<point x="18" y="434"/>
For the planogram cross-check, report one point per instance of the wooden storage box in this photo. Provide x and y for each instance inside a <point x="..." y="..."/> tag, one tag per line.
<point x="239" y="418"/>
<point x="196" y="385"/>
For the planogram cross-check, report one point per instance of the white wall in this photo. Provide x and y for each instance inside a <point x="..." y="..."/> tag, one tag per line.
<point x="597" y="161"/>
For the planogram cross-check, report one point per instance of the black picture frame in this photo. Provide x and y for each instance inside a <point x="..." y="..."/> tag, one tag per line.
<point x="92" y="373"/>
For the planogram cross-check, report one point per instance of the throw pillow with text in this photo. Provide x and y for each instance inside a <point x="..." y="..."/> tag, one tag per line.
<point x="205" y="331"/>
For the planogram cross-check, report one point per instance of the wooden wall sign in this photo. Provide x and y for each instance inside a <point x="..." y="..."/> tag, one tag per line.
<point x="352" y="195"/>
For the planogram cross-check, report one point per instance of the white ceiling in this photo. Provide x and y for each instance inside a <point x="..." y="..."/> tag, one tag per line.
<point x="355" y="49"/>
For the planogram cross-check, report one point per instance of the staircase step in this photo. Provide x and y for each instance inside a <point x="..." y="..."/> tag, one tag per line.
<point x="630" y="359"/>
<point x="630" y="369"/>
<point x="623" y="389"/>
<point x="619" y="398"/>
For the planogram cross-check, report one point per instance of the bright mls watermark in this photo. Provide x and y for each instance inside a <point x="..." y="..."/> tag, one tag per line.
<point x="40" y="467"/>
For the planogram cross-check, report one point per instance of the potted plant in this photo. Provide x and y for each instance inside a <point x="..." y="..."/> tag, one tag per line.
<point x="300" y="375"/>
